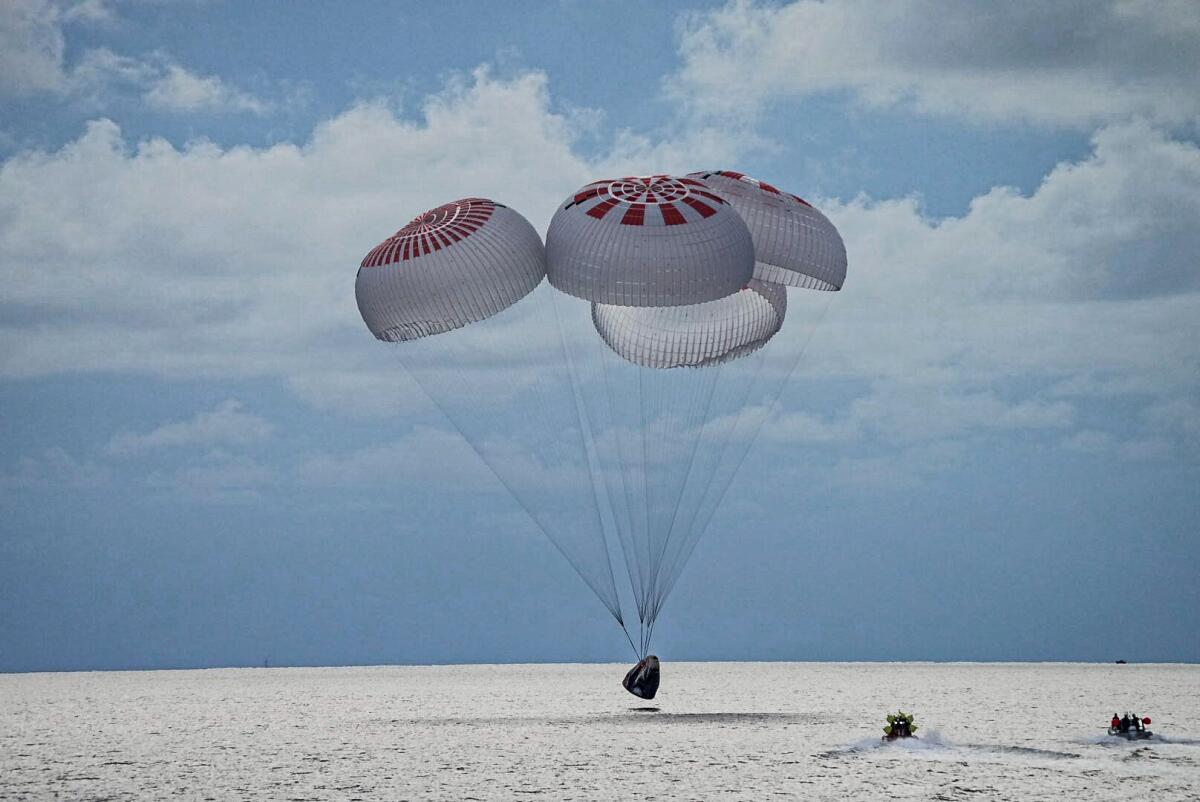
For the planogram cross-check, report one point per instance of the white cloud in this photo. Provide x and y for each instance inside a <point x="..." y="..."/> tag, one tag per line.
<point x="913" y="412"/>
<point x="1012" y="315"/>
<point x="1076" y="63"/>
<point x="31" y="47"/>
<point x="904" y="412"/>
<point x="1094" y="274"/>
<point x="1090" y="441"/>
<point x="801" y="427"/>
<point x="208" y="262"/>
<point x="1098" y="443"/>
<point x="33" y="60"/>
<point x="54" y="467"/>
<point x="226" y="424"/>
<point x="100" y="69"/>
<point x="91" y="11"/>
<point x="1145" y="448"/>
<point x="177" y="89"/>
<point x="441" y="458"/>
<point x="1176" y="416"/>
<point x="430" y="455"/>
<point x="908" y="468"/>
<point x="217" y="477"/>
<point x="162" y="84"/>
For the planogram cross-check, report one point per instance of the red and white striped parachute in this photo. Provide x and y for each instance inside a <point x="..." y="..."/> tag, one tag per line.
<point x="617" y="401"/>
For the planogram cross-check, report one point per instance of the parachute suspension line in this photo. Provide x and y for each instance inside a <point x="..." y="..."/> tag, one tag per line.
<point x="647" y="635"/>
<point x="773" y="397"/>
<point x="645" y="480"/>
<point x="429" y="393"/>
<point x="561" y="453"/>
<point x="704" y="512"/>
<point x="619" y="486"/>
<point x="632" y="518"/>
<point x="757" y="430"/>
<point x="474" y="448"/>
<point x="721" y="451"/>
<point x="672" y="417"/>
<point x="628" y="542"/>
<point x="726" y="444"/>
<point x="630" y="639"/>
<point x="588" y="442"/>
<point x="690" y="422"/>
<point x="677" y="395"/>
<point x="651" y="416"/>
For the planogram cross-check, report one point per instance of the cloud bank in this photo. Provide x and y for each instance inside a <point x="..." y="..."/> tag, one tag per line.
<point x="1078" y="63"/>
<point x="227" y="424"/>
<point x="185" y="261"/>
<point x="33" y="62"/>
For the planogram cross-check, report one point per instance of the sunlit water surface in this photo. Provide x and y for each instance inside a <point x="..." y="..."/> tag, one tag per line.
<point x="719" y="730"/>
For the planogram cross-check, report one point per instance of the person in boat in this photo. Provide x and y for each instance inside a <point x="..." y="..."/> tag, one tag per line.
<point x="1136" y="721"/>
<point x="1124" y="723"/>
<point x="899" y="725"/>
<point x="1115" y="724"/>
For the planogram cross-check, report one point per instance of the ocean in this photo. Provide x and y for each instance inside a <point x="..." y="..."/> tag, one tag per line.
<point x="716" y="731"/>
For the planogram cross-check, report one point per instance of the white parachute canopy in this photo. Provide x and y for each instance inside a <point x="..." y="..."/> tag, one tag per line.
<point x="794" y="244"/>
<point x="653" y="241"/>
<point x="696" y="335"/>
<point x="457" y="264"/>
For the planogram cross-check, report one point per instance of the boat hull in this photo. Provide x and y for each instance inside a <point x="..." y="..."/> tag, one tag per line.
<point x="1131" y="735"/>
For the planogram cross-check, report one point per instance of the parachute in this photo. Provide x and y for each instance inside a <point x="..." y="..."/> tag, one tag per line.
<point x="695" y="335"/>
<point x="648" y="242"/>
<point x="794" y="244"/>
<point x="451" y="266"/>
<point x="616" y="401"/>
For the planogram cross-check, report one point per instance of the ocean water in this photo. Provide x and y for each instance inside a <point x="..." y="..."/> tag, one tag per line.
<point x="716" y="731"/>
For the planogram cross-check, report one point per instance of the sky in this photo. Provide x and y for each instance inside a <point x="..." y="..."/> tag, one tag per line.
<point x="206" y="460"/>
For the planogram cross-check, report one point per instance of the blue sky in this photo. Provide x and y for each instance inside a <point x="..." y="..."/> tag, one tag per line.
<point x="206" y="460"/>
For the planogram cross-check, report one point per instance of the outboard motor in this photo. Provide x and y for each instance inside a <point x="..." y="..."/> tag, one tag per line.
<point x="642" y="679"/>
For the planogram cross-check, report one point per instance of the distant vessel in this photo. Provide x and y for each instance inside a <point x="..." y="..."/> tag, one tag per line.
<point x="1120" y="662"/>
<point x="1131" y="728"/>
<point x="899" y="725"/>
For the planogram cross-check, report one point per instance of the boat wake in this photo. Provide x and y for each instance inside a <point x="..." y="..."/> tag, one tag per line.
<point x="934" y="745"/>
<point x="1167" y="739"/>
<point x="1026" y="751"/>
<point x="928" y="740"/>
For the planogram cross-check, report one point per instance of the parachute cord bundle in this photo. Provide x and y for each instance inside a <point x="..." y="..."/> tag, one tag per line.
<point x="772" y="396"/>
<point x="597" y="480"/>
<point x="667" y="422"/>
<point x="567" y="514"/>
<point x="683" y="421"/>
<point x="655" y="530"/>
<point x="602" y="476"/>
